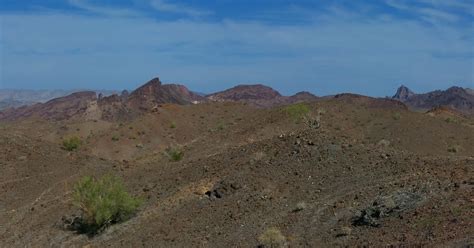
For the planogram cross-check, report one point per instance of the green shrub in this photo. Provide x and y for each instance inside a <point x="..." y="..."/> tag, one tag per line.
<point x="103" y="202"/>
<point x="72" y="143"/>
<point x="173" y="125"/>
<point x="297" y="111"/>
<point x="450" y="120"/>
<point x="115" y="138"/>
<point x="175" y="154"/>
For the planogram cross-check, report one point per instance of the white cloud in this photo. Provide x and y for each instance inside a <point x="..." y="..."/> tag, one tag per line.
<point x="164" y="6"/>
<point x="108" y="11"/>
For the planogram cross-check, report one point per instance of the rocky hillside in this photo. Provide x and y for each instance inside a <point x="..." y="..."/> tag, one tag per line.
<point x="456" y="98"/>
<point x="371" y="174"/>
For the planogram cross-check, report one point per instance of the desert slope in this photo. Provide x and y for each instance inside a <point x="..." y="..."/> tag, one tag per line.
<point x="246" y="170"/>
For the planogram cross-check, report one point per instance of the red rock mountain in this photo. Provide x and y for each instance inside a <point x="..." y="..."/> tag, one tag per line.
<point x="154" y="92"/>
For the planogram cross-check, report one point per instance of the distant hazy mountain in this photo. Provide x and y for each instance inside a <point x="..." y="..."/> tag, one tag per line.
<point x="457" y="98"/>
<point x="17" y="98"/>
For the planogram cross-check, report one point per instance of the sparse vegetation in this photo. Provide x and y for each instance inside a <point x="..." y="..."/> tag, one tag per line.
<point x="115" y="138"/>
<point x="72" y="143"/>
<point x="103" y="202"/>
<point x="220" y="126"/>
<point x="273" y="238"/>
<point x="453" y="149"/>
<point x="175" y="154"/>
<point x="297" y="111"/>
<point x="450" y="120"/>
<point x="397" y="116"/>
<point x="173" y="125"/>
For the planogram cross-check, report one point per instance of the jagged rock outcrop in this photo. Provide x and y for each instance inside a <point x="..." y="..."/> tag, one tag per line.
<point x="403" y="93"/>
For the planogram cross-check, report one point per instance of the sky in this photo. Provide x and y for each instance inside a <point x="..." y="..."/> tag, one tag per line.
<point x="367" y="47"/>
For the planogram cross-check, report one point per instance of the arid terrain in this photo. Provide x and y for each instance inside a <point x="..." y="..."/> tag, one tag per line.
<point x="349" y="171"/>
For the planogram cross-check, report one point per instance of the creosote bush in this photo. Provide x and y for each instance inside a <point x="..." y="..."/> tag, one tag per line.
<point x="297" y="111"/>
<point x="72" y="143"/>
<point x="175" y="154"/>
<point x="103" y="202"/>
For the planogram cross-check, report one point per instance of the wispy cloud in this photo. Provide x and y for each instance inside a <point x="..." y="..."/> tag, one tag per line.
<point x="107" y="11"/>
<point x="432" y="11"/>
<point x="164" y="6"/>
<point x="464" y="6"/>
<point x="366" y="56"/>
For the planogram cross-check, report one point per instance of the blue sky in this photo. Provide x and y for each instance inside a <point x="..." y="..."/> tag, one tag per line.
<point x="366" y="46"/>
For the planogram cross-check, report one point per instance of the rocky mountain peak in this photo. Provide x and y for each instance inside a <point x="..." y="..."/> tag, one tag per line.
<point x="403" y="93"/>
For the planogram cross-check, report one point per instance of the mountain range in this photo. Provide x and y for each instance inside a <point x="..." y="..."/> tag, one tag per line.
<point x="151" y="95"/>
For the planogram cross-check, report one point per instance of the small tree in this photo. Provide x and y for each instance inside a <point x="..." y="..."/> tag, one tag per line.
<point x="103" y="202"/>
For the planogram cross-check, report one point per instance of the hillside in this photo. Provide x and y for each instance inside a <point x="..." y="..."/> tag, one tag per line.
<point x="13" y="98"/>
<point x="344" y="171"/>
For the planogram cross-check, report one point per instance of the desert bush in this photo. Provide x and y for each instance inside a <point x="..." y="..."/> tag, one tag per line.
<point x="453" y="149"/>
<point x="173" y="125"/>
<point x="297" y="111"/>
<point x="103" y="202"/>
<point x="397" y="116"/>
<point x="175" y="154"/>
<point x="72" y="143"/>
<point x="220" y="126"/>
<point x="115" y="138"/>
<point x="450" y="120"/>
<point x="273" y="238"/>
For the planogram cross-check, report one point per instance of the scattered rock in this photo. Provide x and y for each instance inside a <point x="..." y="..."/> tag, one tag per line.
<point x="383" y="143"/>
<point x="300" y="206"/>
<point x="221" y="189"/>
<point x="386" y="206"/>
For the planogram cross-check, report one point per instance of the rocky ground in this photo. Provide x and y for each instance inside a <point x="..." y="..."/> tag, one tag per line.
<point x="354" y="172"/>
